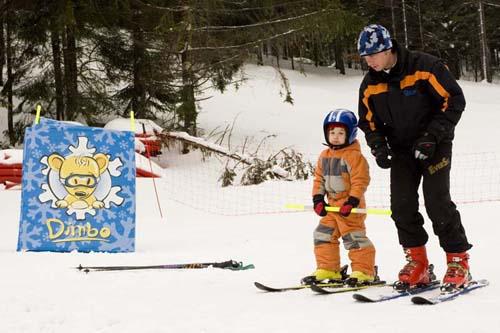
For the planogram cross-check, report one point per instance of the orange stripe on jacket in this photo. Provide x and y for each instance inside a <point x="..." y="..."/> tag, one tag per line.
<point x="372" y="90"/>
<point x="410" y="80"/>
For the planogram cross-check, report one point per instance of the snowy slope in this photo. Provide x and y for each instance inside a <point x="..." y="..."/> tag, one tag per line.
<point x="40" y="292"/>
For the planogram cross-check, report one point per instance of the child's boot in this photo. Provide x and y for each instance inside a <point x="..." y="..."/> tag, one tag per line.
<point x="322" y="276"/>
<point x="458" y="274"/>
<point x="358" y="277"/>
<point x="416" y="271"/>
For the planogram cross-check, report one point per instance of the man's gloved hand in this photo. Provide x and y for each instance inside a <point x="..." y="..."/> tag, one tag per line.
<point x="319" y="204"/>
<point x="352" y="202"/>
<point x="425" y="146"/>
<point x="382" y="155"/>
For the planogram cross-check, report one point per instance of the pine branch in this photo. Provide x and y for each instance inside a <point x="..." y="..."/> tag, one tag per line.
<point x="259" y="24"/>
<point x="245" y="44"/>
<point x="205" y="145"/>
<point x="225" y="10"/>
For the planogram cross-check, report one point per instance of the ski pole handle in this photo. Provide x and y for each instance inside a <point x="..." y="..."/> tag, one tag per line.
<point x="371" y="211"/>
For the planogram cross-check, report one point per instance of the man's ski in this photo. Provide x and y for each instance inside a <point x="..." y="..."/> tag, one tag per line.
<point x="298" y="287"/>
<point x="444" y="296"/>
<point x="230" y="264"/>
<point x="393" y="294"/>
<point x="346" y="288"/>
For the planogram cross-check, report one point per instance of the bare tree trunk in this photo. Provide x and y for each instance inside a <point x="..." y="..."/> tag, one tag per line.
<point x="420" y="28"/>
<point x="339" y="59"/>
<point x="187" y="110"/>
<point x="260" y="56"/>
<point x="485" y="63"/>
<point x="2" y="45"/>
<point x="453" y="63"/>
<point x="301" y="45"/>
<point x="70" y="66"/>
<point x="276" y="49"/>
<point x="58" y="77"/>
<point x="349" y="57"/>
<point x="404" y="22"/>
<point x="284" y="54"/>
<point x="10" y="83"/>
<point x="139" y="89"/>
<point x="315" y="50"/>
<point x="393" y="20"/>
<point x="476" y="75"/>
<point x="321" y="52"/>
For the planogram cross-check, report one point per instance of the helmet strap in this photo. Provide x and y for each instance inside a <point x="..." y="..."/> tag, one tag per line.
<point x="336" y="147"/>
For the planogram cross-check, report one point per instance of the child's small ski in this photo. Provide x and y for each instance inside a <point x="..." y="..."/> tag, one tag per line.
<point x="394" y="294"/>
<point x="444" y="296"/>
<point x="298" y="287"/>
<point x="351" y="284"/>
<point x="331" y="284"/>
<point x="346" y="288"/>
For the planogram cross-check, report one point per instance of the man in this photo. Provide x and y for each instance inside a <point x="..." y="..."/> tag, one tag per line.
<point x="409" y="105"/>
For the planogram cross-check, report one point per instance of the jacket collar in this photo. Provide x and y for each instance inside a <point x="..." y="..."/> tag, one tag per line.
<point x="398" y="70"/>
<point x="353" y="146"/>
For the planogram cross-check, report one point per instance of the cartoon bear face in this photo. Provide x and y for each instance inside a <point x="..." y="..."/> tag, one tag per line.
<point x="79" y="174"/>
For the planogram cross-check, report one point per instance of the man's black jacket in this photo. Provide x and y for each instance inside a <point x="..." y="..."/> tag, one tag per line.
<point x="418" y="95"/>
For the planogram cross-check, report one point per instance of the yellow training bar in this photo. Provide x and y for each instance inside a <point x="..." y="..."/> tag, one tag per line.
<point x="372" y="211"/>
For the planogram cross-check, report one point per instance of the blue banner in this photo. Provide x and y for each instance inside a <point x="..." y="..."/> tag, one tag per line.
<point x="78" y="189"/>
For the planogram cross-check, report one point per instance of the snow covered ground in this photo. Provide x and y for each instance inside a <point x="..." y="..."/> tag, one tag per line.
<point x="42" y="292"/>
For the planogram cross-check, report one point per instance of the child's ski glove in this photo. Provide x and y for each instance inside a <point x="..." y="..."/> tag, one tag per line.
<point x="319" y="204"/>
<point x="425" y="146"/>
<point x="352" y="202"/>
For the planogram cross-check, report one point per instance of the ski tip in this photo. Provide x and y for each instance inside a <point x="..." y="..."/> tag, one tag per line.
<point x="318" y="289"/>
<point x="419" y="300"/>
<point x="259" y="285"/>
<point x="263" y="287"/>
<point x="275" y="290"/>
<point x="362" y="298"/>
<point x="483" y="282"/>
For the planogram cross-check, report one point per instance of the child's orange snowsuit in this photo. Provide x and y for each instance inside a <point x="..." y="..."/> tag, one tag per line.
<point x="339" y="174"/>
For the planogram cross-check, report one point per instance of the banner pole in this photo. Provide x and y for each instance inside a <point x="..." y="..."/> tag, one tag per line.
<point x="148" y="155"/>
<point x="38" y="112"/>
<point x="132" y="121"/>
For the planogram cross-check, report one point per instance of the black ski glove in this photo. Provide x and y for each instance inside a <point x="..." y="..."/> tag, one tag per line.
<point x="382" y="154"/>
<point x="425" y="146"/>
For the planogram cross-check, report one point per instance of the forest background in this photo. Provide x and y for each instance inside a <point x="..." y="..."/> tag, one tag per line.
<point x="96" y="60"/>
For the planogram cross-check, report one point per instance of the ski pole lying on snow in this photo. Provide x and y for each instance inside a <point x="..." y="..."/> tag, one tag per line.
<point x="373" y="211"/>
<point x="230" y="264"/>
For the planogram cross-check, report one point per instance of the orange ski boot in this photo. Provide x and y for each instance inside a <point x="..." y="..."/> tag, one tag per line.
<point x="458" y="274"/>
<point x="417" y="271"/>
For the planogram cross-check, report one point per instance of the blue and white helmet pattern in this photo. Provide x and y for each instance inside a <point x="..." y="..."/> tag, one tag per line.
<point x="374" y="38"/>
<point x="344" y="117"/>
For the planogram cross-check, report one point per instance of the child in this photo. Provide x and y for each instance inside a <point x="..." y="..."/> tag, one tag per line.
<point x="342" y="175"/>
